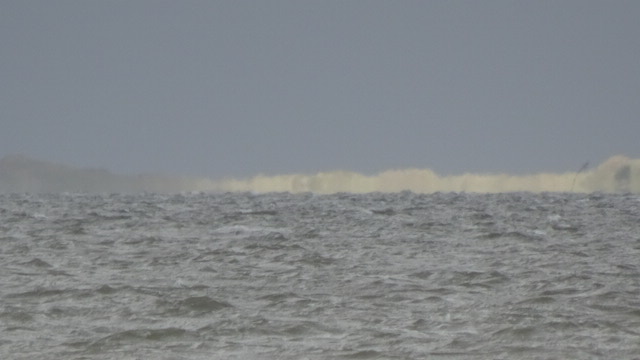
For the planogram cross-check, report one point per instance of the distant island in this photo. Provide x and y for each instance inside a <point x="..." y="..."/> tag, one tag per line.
<point x="22" y="174"/>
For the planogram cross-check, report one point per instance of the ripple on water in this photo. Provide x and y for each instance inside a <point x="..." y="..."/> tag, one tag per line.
<point x="282" y="276"/>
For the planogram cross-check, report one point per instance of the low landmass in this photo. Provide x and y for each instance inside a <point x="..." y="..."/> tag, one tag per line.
<point x="21" y="174"/>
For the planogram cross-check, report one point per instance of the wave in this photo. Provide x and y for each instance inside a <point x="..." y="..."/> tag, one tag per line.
<point x="617" y="174"/>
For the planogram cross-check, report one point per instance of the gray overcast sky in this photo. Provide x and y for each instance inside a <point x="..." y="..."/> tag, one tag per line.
<point x="237" y="88"/>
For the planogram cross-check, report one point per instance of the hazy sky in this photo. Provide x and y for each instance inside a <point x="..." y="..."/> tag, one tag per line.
<point x="237" y="88"/>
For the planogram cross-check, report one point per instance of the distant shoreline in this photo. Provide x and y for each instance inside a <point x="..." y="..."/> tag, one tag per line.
<point x="20" y="174"/>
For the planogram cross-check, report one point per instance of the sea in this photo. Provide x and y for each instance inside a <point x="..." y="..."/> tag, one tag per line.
<point x="309" y="276"/>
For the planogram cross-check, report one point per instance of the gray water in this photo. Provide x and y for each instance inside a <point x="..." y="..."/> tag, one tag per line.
<point x="281" y="276"/>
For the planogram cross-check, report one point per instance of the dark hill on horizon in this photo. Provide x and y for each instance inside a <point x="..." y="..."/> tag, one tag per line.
<point x="22" y="174"/>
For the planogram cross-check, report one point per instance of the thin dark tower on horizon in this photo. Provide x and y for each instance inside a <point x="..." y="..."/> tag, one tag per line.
<point x="582" y="168"/>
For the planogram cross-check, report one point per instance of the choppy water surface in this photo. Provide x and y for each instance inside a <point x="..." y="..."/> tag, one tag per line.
<point x="281" y="276"/>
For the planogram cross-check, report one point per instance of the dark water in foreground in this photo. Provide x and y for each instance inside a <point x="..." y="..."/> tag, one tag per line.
<point x="280" y="276"/>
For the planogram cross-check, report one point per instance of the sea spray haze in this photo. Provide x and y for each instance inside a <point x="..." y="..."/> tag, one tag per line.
<point x="21" y="174"/>
<point x="306" y="276"/>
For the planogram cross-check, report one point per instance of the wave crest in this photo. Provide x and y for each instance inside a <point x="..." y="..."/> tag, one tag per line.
<point x="617" y="174"/>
